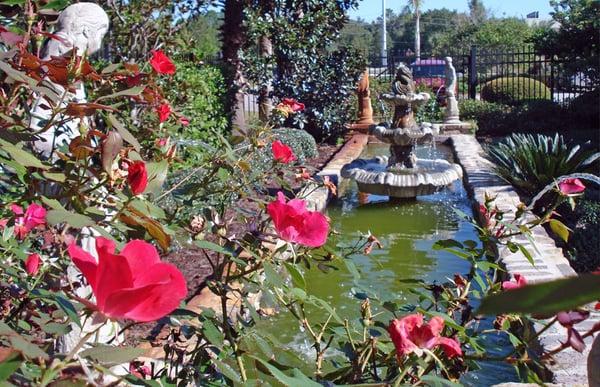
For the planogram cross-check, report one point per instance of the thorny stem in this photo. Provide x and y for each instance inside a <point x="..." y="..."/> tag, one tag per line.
<point x="227" y="325"/>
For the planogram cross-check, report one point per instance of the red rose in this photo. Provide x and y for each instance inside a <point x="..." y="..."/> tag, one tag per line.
<point x="571" y="186"/>
<point x="133" y="80"/>
<point x="164" y="111"/>
<point x="133" y="284"/>
<point x="293" y="104"/>
<point x="282" y="152"/>
<point x="137" y="177"/>
<point x="409" y="334"/>
<point x="161" y="63"/>
<point x="294" y="223"/>
<point x="519" y="282"/>
<point x="32" y="264"/>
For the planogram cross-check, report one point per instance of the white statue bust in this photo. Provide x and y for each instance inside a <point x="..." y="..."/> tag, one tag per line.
<point x="80" y="27"/>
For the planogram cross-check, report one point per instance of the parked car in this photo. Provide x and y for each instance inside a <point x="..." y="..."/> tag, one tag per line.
<point x="430" y="73"/>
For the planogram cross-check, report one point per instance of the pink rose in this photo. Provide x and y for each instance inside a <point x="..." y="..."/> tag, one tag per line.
<point x="410" y="333"/>
<point x="34" y="217"/>
<point x="519" y="282"/>
<point x="294" y="223"/>
<point x="32" y="264"/>
<point x="294" y="105"/>
<point x="133" y="284"/>
<point x="571" y="186"/>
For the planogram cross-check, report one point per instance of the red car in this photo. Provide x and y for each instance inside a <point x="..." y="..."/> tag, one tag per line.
<point x="430" y="73"/>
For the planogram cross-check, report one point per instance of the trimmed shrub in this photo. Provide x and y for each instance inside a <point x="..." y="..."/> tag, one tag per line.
<point x="584" y="109"/>
<point x="474" y="109"/>
<point x="512" y="90"/>
<point x="529" y="116"/>
<point x="585" y="240"/>
<point x="531" y="162"/>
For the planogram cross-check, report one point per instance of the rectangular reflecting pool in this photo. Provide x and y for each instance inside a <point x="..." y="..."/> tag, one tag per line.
<point x="407" y="230"/>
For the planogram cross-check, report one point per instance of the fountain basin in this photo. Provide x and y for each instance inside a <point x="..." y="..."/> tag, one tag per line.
<point x="372" y="176"/>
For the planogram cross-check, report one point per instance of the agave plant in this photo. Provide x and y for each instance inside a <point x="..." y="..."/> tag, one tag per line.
<point x="530" y="162"/>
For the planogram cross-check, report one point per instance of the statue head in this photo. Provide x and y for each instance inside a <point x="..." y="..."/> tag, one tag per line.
<point x="85" y="24"/>
<point x="403" y="73"/>
<point x="448" y="60"/>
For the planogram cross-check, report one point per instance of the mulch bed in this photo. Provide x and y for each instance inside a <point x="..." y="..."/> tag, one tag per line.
<point x="192" y="262"/>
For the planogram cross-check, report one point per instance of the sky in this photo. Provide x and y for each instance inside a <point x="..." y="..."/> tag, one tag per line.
<point x="371" y="9"/>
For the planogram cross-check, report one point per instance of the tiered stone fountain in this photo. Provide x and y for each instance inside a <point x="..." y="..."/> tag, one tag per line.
<point x="402" y="175"/>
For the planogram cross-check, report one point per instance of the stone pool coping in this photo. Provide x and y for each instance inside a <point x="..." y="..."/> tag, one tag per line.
<point x="570" y="367"/>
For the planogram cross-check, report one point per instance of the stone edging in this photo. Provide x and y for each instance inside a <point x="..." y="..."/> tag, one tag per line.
<point x="317" y="196"/>
<point x="569" y="368"/>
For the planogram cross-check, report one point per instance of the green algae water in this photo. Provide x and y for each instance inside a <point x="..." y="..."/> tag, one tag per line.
<point x="407" y="229"/>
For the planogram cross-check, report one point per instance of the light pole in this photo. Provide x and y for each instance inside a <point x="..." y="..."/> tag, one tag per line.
<point x="383" y="36"/>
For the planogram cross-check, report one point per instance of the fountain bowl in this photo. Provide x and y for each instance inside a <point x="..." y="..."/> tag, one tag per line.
<point x="372" y="176"/>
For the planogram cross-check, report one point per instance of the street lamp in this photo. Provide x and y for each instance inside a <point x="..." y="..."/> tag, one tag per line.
<point x="383" y="36"/>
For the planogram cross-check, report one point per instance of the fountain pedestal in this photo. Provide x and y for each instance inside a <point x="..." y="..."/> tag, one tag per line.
<point x="402" y="174"/>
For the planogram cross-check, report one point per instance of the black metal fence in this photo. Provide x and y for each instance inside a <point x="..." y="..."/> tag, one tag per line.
<point x="556" y="81"/>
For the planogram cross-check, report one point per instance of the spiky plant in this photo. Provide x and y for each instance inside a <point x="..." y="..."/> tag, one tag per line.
<point x="530" y="162"/>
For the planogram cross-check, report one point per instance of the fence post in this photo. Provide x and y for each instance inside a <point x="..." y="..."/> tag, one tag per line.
<point x="473" y="73"/>
<point x="552" y="77"/>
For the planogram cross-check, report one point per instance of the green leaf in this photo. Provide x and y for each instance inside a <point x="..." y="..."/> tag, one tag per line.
<point x="526" y="253"/>
<point x="21" y="156"/>
<point x="16" y="74"/>
<point x="298" y="379"/>
<point x="203" y="244"/>
<point x="55" y="176"/>
<point x="228" y="371"/>
<point x="73" y="219"/>
<point x="434" y="381"/>
<point x="157" y="174"/>
<point x="297" y="276"/>
<point x="212" y="333"/>
<point x="272" y="276"/>
<point x="446" y="243"/>
<point x="134" y="91"/>
<point x="10" y="365"/>
<point x="28" y="349"/>
<point x="56" y="4"/>
<point x="546" y="298"/>
<point x="126" y="134"/>
<point x="68" y="308"/>
<point x="108" y="354"/>
<point x="559" y="229"/>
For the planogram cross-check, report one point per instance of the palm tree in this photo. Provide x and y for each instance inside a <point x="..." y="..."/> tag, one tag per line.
<point x="233" y="37"/>
<point x="415" y="5"/>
